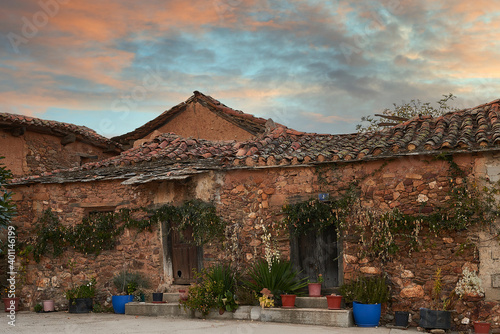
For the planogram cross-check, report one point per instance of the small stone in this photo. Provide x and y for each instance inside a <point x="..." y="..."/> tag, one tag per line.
<point x="350" y="258"/>
<point x="255" y="243"/>
<point x="239" y="188"/>
<point x="407" y="274"/>
<point x="269" y="191"/>
<point x="370" y="270"/>
<point x="413" y="291"/>
<point x="438" y="331"/>
<point x="422" y="198"/>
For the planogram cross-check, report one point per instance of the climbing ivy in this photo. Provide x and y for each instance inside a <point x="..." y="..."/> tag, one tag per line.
<point x="100" y="230"/>
<point x="383" y="234"/>
<point x="314" y="215"/>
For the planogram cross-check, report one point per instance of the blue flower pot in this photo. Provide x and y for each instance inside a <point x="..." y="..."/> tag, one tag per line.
<point x="366" y="315"/>
<point x="119" y="303"/>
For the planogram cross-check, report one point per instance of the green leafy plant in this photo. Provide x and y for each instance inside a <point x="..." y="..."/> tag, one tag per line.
<point x="278" y="277"/>
<point x="49" y="234"/>
<point x="85" y="290"/>
<point x="366" y="290"/>
<point x="215" y="288"/>
<point x="128" y="283"/>
<point x="100" y="230"/>
<point x="314" y="215"/>
<point x="7" y="208"/>
<point x="201" y="218"/>
<point x="38" y="308"/>
<point x="319" y="279"/>
<point x="439" y="299"/>
<point x="99" y="308"/>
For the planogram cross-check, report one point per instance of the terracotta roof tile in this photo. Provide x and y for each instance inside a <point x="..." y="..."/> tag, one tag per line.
<point x="469" y="130"/>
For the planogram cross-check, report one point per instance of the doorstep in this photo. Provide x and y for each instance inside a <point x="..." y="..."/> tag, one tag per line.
<point x="305" y="316"/>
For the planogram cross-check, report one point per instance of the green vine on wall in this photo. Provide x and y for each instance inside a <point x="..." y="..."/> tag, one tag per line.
<point x="100" y="230"/>
<point x="314" y="215"/>
<point x="384" y="234"/>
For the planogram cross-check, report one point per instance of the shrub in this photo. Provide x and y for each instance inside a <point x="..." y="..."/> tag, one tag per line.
<point x="127" y="282"/>
<point x="279" y="277"/>
<point x="86" y="290"/>
<point x="215" y="289"/>
<point x="366" y="290"/>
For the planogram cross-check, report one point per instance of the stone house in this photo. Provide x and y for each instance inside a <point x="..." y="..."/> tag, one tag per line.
<point x="200" y="117"/>
<point x="249" y="181"/>
<point x="33" y="146"/>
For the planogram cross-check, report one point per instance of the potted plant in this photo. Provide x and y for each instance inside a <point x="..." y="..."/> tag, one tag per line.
<point x="127" y="284"/>
<point x="81" y="297"/>
<point x="401" y="318"/>
<point x="334" y="301"/>
<point x="366" y="293"/>
<point x="288" y="301"/>
<point x="315" y="287"/>
<point x="10" y="302"/>
<point x="157" y="297"/>
<point x="266" y="300"/>
<point x="438" y="315"/>
<point x="278" y="276"/>
<point x="38" y="308"/>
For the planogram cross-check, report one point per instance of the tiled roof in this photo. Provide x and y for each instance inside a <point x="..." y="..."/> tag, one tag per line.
<point x="59" y="129"/>
<point x="249" y="123"/>
<point x="169" y="156"/>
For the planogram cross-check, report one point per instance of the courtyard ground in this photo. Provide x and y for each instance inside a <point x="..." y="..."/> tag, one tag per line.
<point x="62" y="323"/>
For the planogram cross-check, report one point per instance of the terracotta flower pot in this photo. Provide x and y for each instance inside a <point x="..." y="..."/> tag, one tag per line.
<point x="482" y="327"/>
<point x="11" y="304"/>
<point x="314" y="289"/>
<point x="334" y="302"/>
<point x="288" y="301"/>
<point x="183" y="294"/>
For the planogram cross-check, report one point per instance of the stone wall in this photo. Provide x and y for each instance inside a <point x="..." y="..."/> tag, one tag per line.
<point x="251" y="200"/>
<point x="35" y="153"/>
<point x="139" y="252"/>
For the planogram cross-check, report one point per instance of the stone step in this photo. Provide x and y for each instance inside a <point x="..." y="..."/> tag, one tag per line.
<point x="311" y="302"/>
<point x="171" y="297"/>
<point x="305" y="316"/>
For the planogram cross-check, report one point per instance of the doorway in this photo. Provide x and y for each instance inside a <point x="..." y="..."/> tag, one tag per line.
<point x="317" y="253"/>
<point x="181" y="255"/>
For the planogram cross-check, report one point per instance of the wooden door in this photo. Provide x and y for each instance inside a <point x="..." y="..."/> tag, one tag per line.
<point x="184" y="257"/>
<point x="316" y="253"/>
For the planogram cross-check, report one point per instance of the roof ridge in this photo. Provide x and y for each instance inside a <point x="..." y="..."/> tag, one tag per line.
<point x="62" y="127"/>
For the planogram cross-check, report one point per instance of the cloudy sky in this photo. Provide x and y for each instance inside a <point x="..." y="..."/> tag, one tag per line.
<point x="312" y="65"/>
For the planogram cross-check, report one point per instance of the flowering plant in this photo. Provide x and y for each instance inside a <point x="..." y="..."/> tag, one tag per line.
<point x="469" y="284"/>
<point x="266" y="300"/>
<point x="86" y="290"/>
<point x="319" y="280"/>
